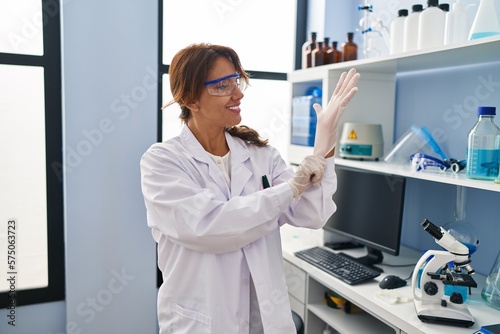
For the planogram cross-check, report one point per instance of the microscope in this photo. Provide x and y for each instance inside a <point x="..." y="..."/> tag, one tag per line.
<point x="434" y="270"/>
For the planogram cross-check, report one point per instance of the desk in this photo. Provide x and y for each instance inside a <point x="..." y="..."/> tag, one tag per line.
<point x="307" y="285"/>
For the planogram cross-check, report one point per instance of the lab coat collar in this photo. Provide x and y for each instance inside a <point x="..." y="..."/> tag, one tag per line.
<point x="240" y="174"/>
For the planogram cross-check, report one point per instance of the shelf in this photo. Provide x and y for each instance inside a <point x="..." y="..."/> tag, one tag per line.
<point x="297" y="153"/>
<point x="448" y="177"/>
<point x="484" y="50"/>
<point x="349" y="322"/>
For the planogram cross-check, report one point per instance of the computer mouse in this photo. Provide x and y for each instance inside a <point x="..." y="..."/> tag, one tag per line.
<point x="392" y="282"/>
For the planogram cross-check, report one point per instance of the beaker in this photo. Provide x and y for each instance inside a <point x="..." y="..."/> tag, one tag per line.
<point x="491" y="290"/>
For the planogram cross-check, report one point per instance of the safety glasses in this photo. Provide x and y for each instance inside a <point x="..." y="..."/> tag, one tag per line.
<point x="225" y="86"/>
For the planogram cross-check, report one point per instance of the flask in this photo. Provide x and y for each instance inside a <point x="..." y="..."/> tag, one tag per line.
<point x="336" y="54"/>
<point x="349" y="48"/>
<point x="411" y="29"/>
<point x="486" y="21"/>
<point x="491" y="290"/>
<point x="398" y="32"/>
<point x="431" y="26"/>
<point x="483" y="146"/>
<point x="317" y="55"/>
<point x="307" y="47"/>
<point x="460" y="228"/>
<point x="457" y="24"/>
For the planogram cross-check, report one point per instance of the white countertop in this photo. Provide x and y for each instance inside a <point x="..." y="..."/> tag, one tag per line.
<point x="401" y="315"/>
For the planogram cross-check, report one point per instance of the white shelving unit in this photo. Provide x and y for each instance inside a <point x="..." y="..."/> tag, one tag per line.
<point x="375" y="103"/>
<point x="377" y="91"/>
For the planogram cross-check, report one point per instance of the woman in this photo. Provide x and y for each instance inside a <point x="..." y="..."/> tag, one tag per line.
<point x="216" y="221"/>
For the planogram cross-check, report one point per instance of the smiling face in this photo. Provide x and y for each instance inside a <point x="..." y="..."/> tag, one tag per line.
<point x="212" y="112"/>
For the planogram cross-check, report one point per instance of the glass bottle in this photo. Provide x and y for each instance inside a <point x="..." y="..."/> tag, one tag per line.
<point x="307" y="48"/>
<point x="349" y="48"/>
<point x="491" y="290"/>
<point x="486" y="21"/>
<point x="317" y="55"/>
<point x="483" y="146"/>
<point x="336" y="55"/>
<point x="327" y="50"/>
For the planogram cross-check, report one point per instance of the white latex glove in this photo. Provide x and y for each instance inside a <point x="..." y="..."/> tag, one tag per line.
<point x="328" y="118"/>
<point x="310" y="170"/>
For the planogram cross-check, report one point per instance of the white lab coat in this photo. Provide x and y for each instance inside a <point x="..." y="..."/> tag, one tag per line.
<point x="214" y="240"/>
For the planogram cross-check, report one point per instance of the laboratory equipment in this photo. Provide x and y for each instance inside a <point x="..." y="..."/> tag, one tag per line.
<point x="349" y="48"/>
<point x="431" y="26"/>
<point x="483" y="146"/>
<point x="361" y="141"/>
<point x="491" y="290"/>
<point x="335" y="55"/>
<point x="414" y="140"/>
<point x="457" y="24"/>
<point x="435" y="270"/>
<point x="411" y="28"/>
<point x="304" y="117"/>
<point x="371" y="27"/>
<point x="369" y="212"/>
<point x="485" y="22"/>
<point x="460" y="228"/>
<point x="307" y="48"/>
<point x="398" y="32"/>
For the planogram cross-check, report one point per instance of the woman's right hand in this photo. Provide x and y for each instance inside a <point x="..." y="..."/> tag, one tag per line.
<point x="328" y="118"/>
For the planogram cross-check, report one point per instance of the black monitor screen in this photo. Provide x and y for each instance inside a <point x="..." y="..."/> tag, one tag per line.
<point x="369" y="210"/>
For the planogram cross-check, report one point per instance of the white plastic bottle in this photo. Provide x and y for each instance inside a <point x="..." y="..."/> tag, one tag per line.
<point x="486" y="21"/>
<point x="431" y="26"/>
<point x="457" y="24"/>
<point x="398" y="32"/>
<point x="411" y="29"/>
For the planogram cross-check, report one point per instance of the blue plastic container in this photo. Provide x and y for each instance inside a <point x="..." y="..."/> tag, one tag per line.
<point x="304" y="120"/>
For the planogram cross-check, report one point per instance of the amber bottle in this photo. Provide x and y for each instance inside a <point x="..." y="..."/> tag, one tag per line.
<point x="335" y="54"/>
<point x="317" y="55"/>
<point x="349" y="48"/>
<point x="327" y="51"/>
<point x="307" y="48"/>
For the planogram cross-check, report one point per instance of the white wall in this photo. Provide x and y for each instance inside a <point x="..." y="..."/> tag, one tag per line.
<point x="110" y="113"/>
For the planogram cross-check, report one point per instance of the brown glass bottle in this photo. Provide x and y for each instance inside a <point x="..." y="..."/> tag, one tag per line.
<point x="307" y="49"/>
<point x="317" y="55"/>
<point x="335" y="54"/>
<point x="349" y="48"/>
<point x="327" y="50"/>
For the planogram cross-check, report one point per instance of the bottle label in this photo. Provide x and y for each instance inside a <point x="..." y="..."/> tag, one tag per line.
<point x="483" y="163"/>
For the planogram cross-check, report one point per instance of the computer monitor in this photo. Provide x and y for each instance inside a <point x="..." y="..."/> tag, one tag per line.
<point x="369" y="211"/>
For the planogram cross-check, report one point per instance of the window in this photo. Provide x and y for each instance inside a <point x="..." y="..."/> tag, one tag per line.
<point x="263" y="33"/>
<point x="264" y="41"/>
<point x="31" y="214"/>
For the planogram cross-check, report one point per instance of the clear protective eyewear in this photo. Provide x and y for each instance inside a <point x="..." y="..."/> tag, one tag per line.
<point x="225" y="86"/>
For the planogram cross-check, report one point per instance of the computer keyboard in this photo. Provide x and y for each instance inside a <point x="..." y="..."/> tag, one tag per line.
<point x="338" y="265"/>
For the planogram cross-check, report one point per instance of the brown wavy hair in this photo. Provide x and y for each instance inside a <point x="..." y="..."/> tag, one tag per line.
<point x="189" y="70"/>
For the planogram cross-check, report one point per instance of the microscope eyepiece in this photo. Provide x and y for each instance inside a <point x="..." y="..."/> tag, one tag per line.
<point x="432" y="229"/>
